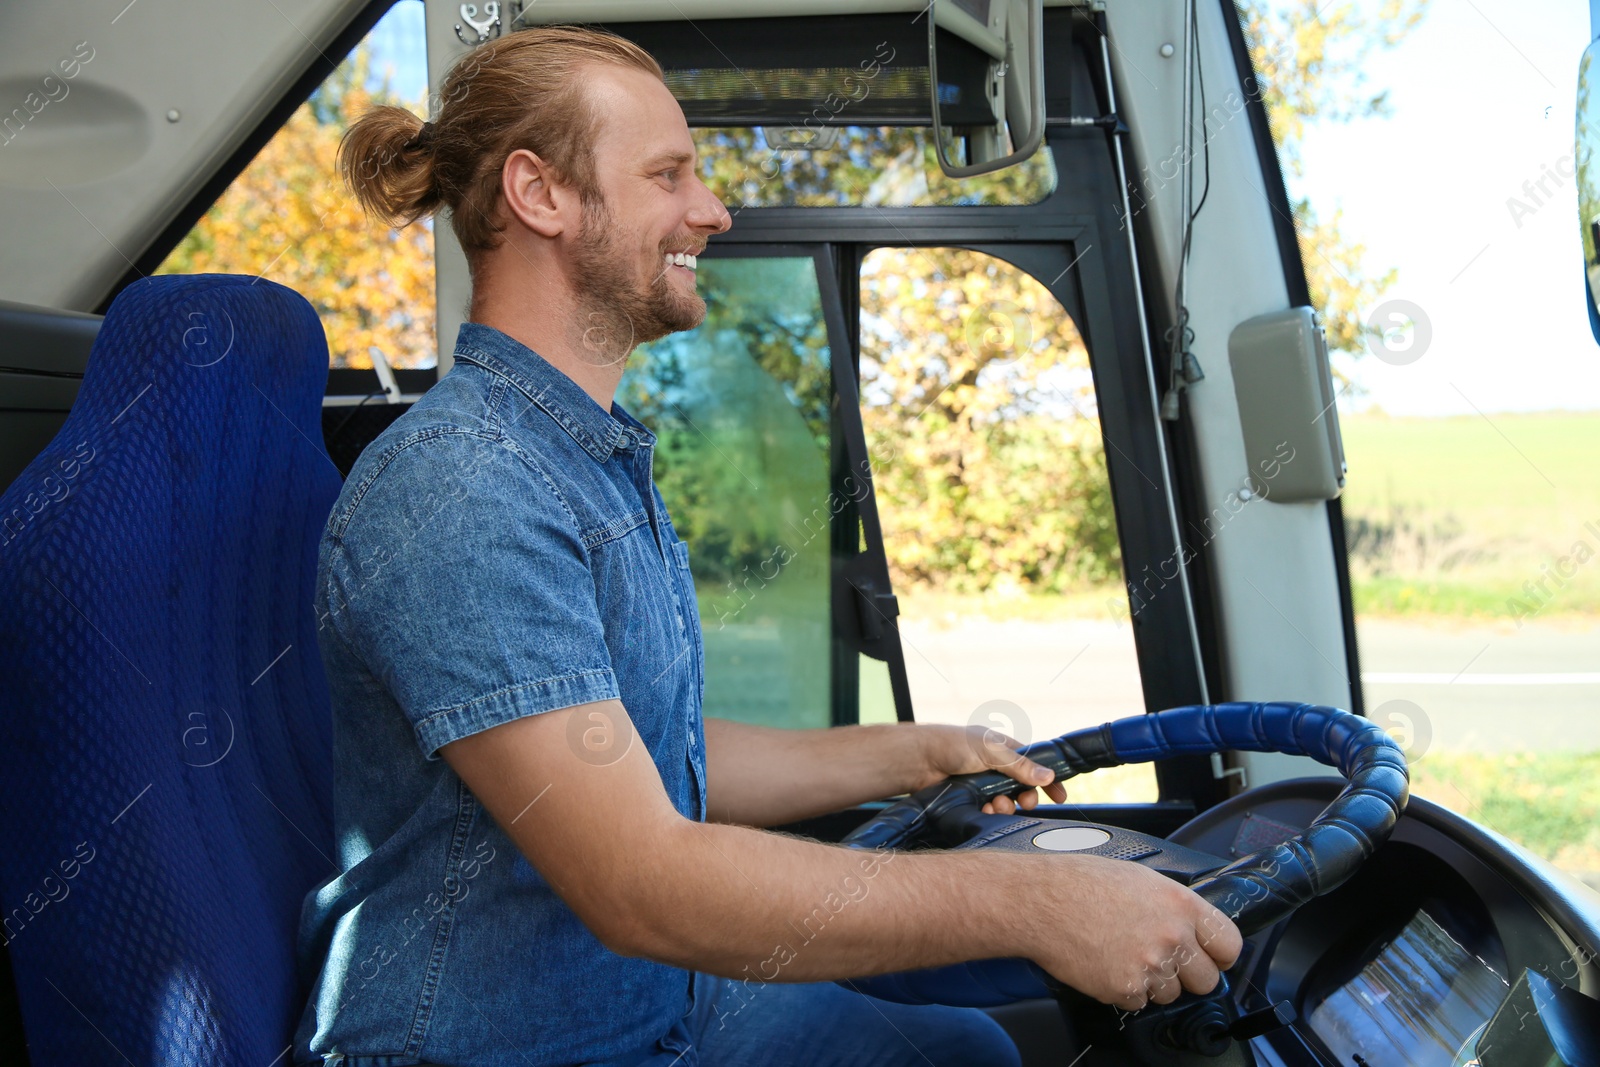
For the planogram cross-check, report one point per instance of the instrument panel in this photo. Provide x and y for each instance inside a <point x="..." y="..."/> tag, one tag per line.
<point x="1422" y="998"/>
<point x="1407" y="963"/>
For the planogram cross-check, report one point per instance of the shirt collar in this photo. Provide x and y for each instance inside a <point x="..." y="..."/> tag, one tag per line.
<point x="597" y="431"/>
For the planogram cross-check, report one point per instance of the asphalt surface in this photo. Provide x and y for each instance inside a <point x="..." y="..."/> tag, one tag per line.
<point x="1480" y="687"/>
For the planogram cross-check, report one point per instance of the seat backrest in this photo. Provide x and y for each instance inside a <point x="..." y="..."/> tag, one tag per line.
<point x="164" y="726"/>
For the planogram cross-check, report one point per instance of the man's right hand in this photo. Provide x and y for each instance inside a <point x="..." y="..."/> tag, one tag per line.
<point x="1128" y="936"/>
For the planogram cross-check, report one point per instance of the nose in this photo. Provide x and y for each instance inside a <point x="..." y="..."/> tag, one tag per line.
<point x="707" y="215"/>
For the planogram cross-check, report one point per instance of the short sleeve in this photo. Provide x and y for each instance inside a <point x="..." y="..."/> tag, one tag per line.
<point x="459" y="578"/>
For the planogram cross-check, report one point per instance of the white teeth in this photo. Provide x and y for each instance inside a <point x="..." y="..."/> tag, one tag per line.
<point x="682" y="259"/>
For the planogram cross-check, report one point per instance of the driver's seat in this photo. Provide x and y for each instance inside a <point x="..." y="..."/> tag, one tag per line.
<point x="165" y="734"/>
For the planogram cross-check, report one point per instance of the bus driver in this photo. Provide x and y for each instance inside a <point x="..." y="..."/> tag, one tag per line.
<point x="547" y="856"/>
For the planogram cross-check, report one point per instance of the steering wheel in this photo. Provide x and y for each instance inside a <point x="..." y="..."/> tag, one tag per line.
<point x="1255" y="891"/>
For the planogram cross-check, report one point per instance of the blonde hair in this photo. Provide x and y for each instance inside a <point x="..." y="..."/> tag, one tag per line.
<point x="522" y="90"/>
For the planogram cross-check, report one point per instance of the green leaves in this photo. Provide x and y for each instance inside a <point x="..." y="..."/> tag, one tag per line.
<point x="980" y="423"/>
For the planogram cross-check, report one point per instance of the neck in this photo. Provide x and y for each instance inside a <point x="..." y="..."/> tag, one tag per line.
<point x="580" y="341"/>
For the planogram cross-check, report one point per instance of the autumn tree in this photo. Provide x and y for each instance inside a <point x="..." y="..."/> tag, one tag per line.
<point x="290" y="219"/>
<point x="1311" y="61"/>
<point x="981" y="419"/>
<point x="975" y="391"/>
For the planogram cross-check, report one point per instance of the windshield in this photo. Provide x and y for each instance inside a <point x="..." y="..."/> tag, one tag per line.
<point x="1469" y="391"/>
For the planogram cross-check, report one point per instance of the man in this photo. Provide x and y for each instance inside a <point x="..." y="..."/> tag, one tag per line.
<point x="547" y="856"/>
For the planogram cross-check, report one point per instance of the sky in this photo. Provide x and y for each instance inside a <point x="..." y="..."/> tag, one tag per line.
<point x="399" y="50"/>
<point x="1483" y="99"/>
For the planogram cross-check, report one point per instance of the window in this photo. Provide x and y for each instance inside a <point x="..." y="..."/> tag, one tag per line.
<point x="1471" y="507"/>
<point x="996" y="508"/>
<point x="1472" y="540"/>
<point x="741" y="410"/>
<point x="977" y="412"/>
<point x="288" y="219"/>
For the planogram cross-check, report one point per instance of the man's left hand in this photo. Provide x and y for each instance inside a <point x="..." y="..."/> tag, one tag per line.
<point x="951" y="750"/>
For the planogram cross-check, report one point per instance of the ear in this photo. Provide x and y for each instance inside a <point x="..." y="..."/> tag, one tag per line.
<point x="533" y="197"/>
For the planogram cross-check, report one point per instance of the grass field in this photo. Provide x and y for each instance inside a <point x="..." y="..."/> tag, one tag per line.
<point x="1466" y="515"/>
<point x="1548" y="802"/>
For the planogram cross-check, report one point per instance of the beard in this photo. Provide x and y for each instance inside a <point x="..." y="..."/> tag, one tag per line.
<point x="616" y="309"/>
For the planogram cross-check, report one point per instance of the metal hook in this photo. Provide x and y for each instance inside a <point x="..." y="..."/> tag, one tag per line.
<point x="491" y="21"/>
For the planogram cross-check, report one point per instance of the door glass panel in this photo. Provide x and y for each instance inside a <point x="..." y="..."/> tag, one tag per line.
<point x="876" y="691"/>
<point x="740" y="406"/>
<point x="985" y="441"/>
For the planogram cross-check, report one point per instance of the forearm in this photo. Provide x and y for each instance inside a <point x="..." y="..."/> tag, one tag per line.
<point x="761" y="776"/>
<point x="793" y="910"/>
<point x="761" y="906"/>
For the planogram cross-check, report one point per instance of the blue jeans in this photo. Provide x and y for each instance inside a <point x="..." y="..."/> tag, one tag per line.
<point x="821" y="1024"/>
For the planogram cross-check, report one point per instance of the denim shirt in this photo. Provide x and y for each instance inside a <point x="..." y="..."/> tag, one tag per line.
<point x="500" y="551"/>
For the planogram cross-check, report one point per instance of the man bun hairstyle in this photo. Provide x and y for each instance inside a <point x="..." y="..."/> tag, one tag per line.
<point x="522" y="90"/>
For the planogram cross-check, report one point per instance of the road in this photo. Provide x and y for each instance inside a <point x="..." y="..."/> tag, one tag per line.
<point x="1479" y="687"/>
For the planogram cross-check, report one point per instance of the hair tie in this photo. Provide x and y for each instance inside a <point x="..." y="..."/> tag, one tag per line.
<point x="424" y="137"/>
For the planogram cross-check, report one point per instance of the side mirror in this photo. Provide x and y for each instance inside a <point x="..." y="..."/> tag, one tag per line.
<point x="1010" y="126"/>
<point x="1587" y="153"/>
<point x="1284" y="385"/>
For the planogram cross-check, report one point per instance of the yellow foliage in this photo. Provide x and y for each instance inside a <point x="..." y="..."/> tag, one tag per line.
<point x="290" y="218"/>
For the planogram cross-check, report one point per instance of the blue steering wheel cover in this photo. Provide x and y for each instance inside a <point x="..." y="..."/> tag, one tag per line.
<point x="1327" y="735"/>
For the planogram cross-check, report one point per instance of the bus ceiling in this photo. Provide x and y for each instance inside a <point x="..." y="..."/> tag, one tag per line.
<point x="119" y="132"/>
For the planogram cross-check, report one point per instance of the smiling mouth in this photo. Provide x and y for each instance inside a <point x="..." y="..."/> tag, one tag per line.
<point x="682" y="260"/>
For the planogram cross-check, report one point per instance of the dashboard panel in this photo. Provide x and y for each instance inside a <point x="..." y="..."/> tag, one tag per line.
<point x="1421" y="998"/>
<point x="1410" y="959"/>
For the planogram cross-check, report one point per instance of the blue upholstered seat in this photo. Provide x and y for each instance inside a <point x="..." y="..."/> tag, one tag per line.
<point x="164" y="726"/>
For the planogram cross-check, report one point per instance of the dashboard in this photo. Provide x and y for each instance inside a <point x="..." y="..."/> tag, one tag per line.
<point x="1450" y="946"/>
<point x="1408" y="963"/>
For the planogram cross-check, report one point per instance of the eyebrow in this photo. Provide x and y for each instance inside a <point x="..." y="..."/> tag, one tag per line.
<point x="669" y="157"/>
